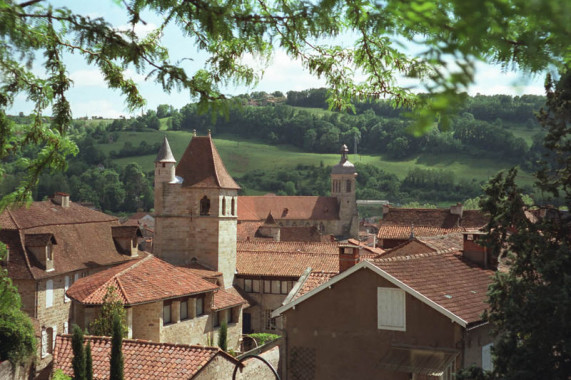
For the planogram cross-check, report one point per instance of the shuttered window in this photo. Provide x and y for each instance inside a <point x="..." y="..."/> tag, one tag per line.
<point x="391" y="309"/>
<point x="66" y="287"/>
<point x="49" y="293"/>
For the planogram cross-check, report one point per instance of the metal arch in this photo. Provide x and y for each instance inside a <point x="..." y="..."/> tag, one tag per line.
<point x="256" y="357"/>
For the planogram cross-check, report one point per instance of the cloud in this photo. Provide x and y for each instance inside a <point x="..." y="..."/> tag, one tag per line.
<point x="87" y="78"/>
<point x="101" y="107"/>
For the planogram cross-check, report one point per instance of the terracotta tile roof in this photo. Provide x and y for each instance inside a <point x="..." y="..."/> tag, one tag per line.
<point x="445" y="278"/>
<point x="451" y="241"/>
<point x="313" y="281"/>
<point x="396" y="224"/>
<point x="148" y="279"/>
<point x="83" y="236"/>
<point x="365" y="249"/>
<point x="142" y="359"/>
<point x="287" y="207"/>
<point x="201" y="166"/>
<point x="307" y="234"/>
<point x="409" y="248"/>
<point x="288" y="247"/>
<point x="226" y="298"/>
<point x="284" y="264"/>
<point x="247" y="230"/>
<point x="203" y="271"/>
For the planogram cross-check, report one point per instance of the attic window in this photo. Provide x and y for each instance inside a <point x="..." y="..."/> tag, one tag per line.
<point x="204" y="206"/>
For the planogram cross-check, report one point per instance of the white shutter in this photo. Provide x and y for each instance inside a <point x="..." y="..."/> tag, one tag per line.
<point x="49" y="293"/>
<point x="66" y="287"/>
<point x="44" y="343"/>
<point x="75" y="277"/>
<point x="391" y="309"/>
<point x="66" y="328"/>
<point x="487" y="357"/>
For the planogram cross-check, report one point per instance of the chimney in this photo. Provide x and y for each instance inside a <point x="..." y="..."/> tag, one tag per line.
<point x="457" y="209"/>
<point x="475" y="252"/>
<point x="348" y="256"/>
<point x="61" y="199"/>
<point x="386" y="209"/>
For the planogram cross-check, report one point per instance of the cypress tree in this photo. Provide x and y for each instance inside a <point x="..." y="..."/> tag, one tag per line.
<point x="78" y="362"/>
<point x="88" y="362"/>
<point x="116" y="361"/>
<point x="223" y="336"/>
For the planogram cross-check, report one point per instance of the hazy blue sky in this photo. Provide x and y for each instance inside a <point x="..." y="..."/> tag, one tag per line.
<point x="90" y="97"/>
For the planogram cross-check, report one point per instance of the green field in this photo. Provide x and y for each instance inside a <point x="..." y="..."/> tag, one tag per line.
<point x="241" y="156"/>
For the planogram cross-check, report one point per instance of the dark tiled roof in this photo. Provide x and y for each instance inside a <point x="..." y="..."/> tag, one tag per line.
<point x="445" y="278"/>
<point x="403" y="232"/>
<point x="39" y="240"/>
<point x="142" y="359"/>
<point x="148" y="279"/>
<point x="287" y="207"/>
<point x="201" y="166"/>
<point x="83" y="237"/>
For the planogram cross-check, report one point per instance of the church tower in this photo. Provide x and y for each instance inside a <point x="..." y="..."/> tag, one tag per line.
<point x="343" y="181"/>
<point x="196" y="209"/>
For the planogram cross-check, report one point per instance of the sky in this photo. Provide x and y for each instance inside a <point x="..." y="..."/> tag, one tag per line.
<point x="89" y="95"/>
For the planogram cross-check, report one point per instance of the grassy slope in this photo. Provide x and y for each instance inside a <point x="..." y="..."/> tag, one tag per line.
<point x="241" y="156"/>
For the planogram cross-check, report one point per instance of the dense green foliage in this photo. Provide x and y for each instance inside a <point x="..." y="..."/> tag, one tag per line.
<point x="530" y="305"/>
<point x="112" y="307"/>
<point x="59" y="375"/>
<point x="78" y="361"/>
<point x="223" y="336"/>
<point x="88" y="362"/>
<point x="263" y="338"/>
<point x="16" y="330"/>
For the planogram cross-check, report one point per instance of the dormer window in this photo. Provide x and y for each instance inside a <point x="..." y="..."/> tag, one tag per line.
<point x="204" y="206"/>
<point x="42" y="250"/>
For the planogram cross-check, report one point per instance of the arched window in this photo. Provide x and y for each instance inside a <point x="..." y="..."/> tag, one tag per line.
<point x="233" y="206"/>
<point x="204" y="206"/>
<point x="348" y="186"/>
<point x="223" y="205"/>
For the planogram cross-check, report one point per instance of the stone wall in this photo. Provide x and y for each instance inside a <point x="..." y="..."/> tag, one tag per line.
<point x="218" y="368"/>
<point x="255" y="369"/>
<point x="147" y="321"/>
<point x="27" y="291"/>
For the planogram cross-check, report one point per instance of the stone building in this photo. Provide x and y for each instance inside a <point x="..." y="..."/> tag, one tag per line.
<point x="52" y="244"/>
<point x="163" y="303"/>
<point x="332" y="215"/>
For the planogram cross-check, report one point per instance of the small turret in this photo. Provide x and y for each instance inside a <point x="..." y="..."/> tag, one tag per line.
<point x="343" y="181"/>
<point x="165" y="164"/>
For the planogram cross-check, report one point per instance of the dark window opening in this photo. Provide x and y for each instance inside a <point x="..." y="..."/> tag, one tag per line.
<point x="204" y="206"/>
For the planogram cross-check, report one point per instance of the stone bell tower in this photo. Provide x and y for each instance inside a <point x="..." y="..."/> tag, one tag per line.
<point x="343" y="181"/>
<point x="196" y="209"/>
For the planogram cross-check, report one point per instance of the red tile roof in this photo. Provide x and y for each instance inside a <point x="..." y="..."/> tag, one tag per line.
<point x="288" y="247"/>
<point x="445" y="278"/>
<point x="148" y="279"/>
<point x="226" y="298"/>
<point x="142" y="359"/>
<point x="313" y="281"/>
<point x="396" y="224"/>
<point x="284" y="264"/>
<point x="287" y="207"/>
<point x="409" y="248"/>
<point x="201" y="166"/>
<point x="83" y="236"/>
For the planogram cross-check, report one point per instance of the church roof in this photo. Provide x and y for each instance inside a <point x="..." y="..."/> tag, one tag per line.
<point x="201" y="166"/>
<point x="287" y="207"/>
<point x="165" y="153"/>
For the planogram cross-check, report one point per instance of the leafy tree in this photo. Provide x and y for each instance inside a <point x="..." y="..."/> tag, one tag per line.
<point x="78" y="362"/>
<point x="223" y="336"/>
<point x="16" y="330"/>
<point x="515" y="33"/>
<point x="530" y="305"/>
<point x="116" y="360"/>
<point x="112" y="307"/>
<point x="59" y="375"/>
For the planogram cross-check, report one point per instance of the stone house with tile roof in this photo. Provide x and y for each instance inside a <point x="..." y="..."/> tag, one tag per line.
<point x="398" y="224"/>
<point x="51" y="245"/>
<point x="164" y="303"/>
<point x="332" y="215"/>
<point x="149" y="360"/>
<point x="414" y="314"/>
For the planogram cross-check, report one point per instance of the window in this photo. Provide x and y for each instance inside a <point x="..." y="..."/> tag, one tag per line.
<point x="223" y="205"/>
<point x="487" y="364"/>
<point x="229" y="318"/>
<point x="48" y="341"/>
<point x="270" y="322"/>
<point x="348" y="186"/>
<point x="49" y="252"/>
<point x="199" y="306"/>
<point x="49" y="293"/>
<point x="75" y="277"/>
<point x="276" y="287"/>
<point x="216" y="319"/>
<point x="233" y="206"/>
<point x="286" y="287"/>
<point x="267" y="286"/>
<point x="391" y="309"/>
<point x="167" y="318"/>
<point x="65" y="288"/>
<point x="66" y="327"/>
<point x="255" y="286"/>
<point x="248" y="285"/>
<point x="204" y="206"/>
<point x="184" y="309"/>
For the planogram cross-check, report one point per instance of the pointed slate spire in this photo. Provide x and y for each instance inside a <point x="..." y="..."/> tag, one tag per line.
<point x="165" y="153"/>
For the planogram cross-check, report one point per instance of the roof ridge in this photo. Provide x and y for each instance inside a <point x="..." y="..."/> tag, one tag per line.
<point x="122" y="290"/>
<point x="212" y="148"/>
<point x="101" y="337"/>
<point x="409" y="257"/>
